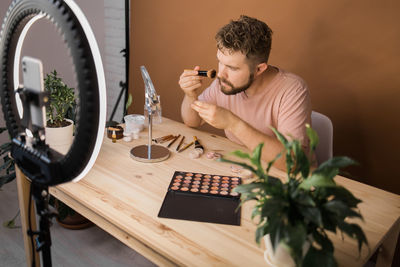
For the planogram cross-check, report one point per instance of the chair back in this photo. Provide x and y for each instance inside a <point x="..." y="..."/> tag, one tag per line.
<point x="324" y="128"/>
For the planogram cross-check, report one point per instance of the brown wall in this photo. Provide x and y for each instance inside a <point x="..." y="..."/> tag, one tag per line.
<point x="347" y="51"/>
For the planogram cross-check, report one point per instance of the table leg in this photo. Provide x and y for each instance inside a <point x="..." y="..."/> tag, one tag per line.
<point x="23" y="185"/>
<point x="388" y="247"/>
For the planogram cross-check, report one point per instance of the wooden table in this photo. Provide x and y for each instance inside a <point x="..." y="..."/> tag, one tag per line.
<point x="124" y="196"/>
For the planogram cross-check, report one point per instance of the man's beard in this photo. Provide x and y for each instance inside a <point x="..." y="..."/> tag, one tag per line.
<point x="235" y="90"/>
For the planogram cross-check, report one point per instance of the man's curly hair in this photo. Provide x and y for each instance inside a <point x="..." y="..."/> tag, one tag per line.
<point x="247" y="35"/>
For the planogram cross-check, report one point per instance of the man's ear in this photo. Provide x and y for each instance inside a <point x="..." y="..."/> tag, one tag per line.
<point x="260" y="68"/>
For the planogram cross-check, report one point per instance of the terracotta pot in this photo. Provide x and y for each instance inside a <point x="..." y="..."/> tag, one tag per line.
<point x="281" y="257"/>
<point x="60" y="138"/>
<point x="73" y="220"/>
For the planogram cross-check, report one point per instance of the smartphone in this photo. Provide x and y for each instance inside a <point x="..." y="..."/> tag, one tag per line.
<point x="32" y="73"/>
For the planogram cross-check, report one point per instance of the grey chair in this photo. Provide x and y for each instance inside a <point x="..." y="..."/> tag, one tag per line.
<point x="324" y="128"/>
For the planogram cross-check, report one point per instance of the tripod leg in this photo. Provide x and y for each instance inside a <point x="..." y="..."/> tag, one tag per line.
<point x="23" y="185"/>
<point x="43" y="241"/>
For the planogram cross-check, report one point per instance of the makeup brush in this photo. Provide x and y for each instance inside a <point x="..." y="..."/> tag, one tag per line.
<point x="207" y="73"/>
<point x="180" y="143"/>
<point x="197" y="144"/>
<point x="185" y="147"/>
<point x="173" y="140"/>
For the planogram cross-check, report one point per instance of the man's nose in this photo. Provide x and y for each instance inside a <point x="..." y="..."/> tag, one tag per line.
<point x="222" y="72"/>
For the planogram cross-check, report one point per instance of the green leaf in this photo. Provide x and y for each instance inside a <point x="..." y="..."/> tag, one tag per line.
<point x="273" y="207"/>
<point x="302" y="162"/>
<point x="295" y="236"/>
<point x="354" y="231"/>
<point x="256" y="157"/>
<point x="129" y="101"/>
<point x="272" y="162"/>
<point x="335" y="163"/>
<point x="318" y="258"/>
<point x="340" y="209"/>
<point x="339" y="193"/>
<point x="241" y="154"/>
<point x="244" y="165"/>
<point x="11" y="223"/>
<point x="317" y="180"/>
<point x="260" y="233"/>
<point x="280" y="137"/>
<point x="302" y="197"/>
<point x="312" y="214"/>
<point x="323" y="241"/>
<point x="256" y="212"/>
<point x="313" y="137"/>
<point x="247" y="188"/>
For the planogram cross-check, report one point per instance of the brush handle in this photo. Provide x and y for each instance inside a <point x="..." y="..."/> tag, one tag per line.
<point x="197" y="143"/>
<point x="202" y="73"/>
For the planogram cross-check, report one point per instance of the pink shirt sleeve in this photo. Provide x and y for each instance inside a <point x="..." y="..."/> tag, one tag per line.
<point x="295" y="112"/>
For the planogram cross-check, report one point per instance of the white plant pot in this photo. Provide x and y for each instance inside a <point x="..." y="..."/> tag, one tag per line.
<point x="281" y="257"/>
<point x="60" y="138"/>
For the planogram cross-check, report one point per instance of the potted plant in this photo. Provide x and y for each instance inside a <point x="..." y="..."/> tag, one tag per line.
<point x="59" y="135"/>
<point x="7" y="167"/>
<point x="60" y="113"/>
<point x="295" y="215"/>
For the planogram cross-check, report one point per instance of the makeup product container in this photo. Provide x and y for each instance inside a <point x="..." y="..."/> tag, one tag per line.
<point x="134" y="123"/>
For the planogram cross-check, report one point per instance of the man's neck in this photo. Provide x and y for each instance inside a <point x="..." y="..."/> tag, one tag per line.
<point x="262" y="81"/>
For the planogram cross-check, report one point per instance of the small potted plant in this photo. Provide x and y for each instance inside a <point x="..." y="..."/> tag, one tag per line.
<point x="7" y="170"/>
<point x="59" y="135"/>
<point x="60" y="113"/>
<point x="295" y="215"/>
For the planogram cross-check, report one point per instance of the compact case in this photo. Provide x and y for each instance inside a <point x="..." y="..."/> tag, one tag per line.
<point x="202" y="197"/>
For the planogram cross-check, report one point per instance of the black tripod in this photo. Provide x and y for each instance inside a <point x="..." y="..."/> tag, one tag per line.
<point x="40" y="194"/>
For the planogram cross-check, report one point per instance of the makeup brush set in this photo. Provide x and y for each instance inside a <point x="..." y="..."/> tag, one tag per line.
<point x="198" y="148"/>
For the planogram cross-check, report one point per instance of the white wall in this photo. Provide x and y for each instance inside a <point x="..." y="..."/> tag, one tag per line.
<point x="114" y="63"/>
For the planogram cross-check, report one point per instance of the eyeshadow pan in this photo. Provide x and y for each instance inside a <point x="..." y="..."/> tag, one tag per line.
<point x="214" y="185"/>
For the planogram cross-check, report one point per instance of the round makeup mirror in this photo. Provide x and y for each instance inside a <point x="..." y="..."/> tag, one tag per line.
<point x="86" y="75"/>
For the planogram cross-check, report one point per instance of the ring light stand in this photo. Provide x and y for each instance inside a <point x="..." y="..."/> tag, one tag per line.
<point x="150" y="152"/>
<point x="42" y="165"/>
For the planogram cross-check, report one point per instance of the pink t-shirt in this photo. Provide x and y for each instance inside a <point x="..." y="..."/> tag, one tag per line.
<point x="284" y="104"/>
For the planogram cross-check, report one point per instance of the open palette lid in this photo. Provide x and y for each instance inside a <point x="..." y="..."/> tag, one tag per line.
<point x="203" y="198"/>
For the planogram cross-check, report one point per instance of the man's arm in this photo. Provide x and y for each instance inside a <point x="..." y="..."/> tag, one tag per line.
<point x="190" y="83"/>
<point x="189" y="116"/>
<point x="222" y="118"/>
<point x="251" y="137"/>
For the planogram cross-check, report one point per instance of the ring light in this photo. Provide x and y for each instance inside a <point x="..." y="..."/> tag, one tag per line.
<point x="91" y="103"/>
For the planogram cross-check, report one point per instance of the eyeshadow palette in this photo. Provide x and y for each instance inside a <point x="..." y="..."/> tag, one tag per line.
<point x="202" y="197"/>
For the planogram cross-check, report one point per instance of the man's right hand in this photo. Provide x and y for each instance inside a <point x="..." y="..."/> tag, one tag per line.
<point x="190" y="82"/>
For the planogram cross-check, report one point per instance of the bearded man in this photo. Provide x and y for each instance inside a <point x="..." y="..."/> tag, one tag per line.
<point x="249" y="96"/>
